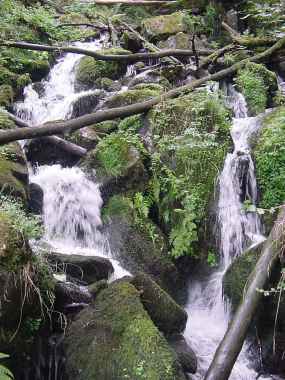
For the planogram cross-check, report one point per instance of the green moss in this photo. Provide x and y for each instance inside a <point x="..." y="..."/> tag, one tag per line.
<point x="5" y="121"/>
<point x="131" y="123"/>
<point x="237" y="275"/>
<point x="121" y="341"/>
<point x="257" y="85"/>
<point x="6" y="96"/>
<point x="162" y="26"/>
<point x="90" y="69"/>
<point x="270" y="159"/>
<point x="135" y="95"/>
<point x="119" y="206"/>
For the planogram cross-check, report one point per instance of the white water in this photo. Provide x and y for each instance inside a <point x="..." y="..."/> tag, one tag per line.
<point x="209" y="314"/>
<point x="72" y="203"/>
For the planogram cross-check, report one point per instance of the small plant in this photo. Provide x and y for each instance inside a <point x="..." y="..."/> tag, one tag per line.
<point x="212" y="259"/>
<point x="5" y="373"/>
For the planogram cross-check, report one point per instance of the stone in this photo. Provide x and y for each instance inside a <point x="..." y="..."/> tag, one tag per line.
<point x="156" y="302"/>
<point x="86" y="103"/>
<point x="114" y="339"/>
<point x="88" y="269"/>
<point x="159" y="27"/>
<point x="184" y="352"/>
<point x="67" y="293"/>
<point x="36" y="198"/>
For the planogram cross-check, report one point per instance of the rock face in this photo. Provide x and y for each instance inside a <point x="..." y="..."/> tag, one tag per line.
<point x="163" y="26"/>
<point x="13" y="171"/>
<point x="68" y="294"/>
<point x="115" y="339"/>
<point x="166" y="314"/>
<point x="36" y="198"/>
<point x="88" y="269"/>
<point x="185" y="354"/>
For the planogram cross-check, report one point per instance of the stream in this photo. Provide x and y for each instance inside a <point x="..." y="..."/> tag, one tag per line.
<point x="72" y="206"/>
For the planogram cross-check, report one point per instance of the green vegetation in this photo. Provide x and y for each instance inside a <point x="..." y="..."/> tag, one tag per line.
<point x="270" y="159"/>
<point x="5" y="373"/>
<point x="257" y="84"/>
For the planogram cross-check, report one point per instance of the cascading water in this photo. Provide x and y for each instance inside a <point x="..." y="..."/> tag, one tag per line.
<point x="209" y="315"/>
<point x="72" y="203"/>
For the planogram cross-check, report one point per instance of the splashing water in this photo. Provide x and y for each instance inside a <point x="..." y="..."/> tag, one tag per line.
<point x="209" y="314"/>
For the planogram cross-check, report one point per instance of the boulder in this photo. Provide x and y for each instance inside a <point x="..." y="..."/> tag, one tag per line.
<point x="159" y="27"/>
<point x="86" y="103"/>
<point x="184" y="352"/>
<point x="88" y="269"/>
<point x="36" y="198"/>
<point x="131" y="41"/>
<point x="138" y="246"/>
<point x="96" y="287"/>
<point x="89" y="69"/>
<point x="114" y="339"/>
<point x="13" y="171"/>
<point x="156" y="301"/>
<point x="68" y="294"/>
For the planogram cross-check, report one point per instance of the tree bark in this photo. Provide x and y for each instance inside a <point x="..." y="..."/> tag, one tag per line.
<point x="65" y="145"/>
<point x="104" y="57"/>
<point x="134" y="2"/>
<point x="72" y="125"/>
<point x="232" y="342"/>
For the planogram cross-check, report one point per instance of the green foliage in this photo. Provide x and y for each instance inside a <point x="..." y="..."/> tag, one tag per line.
<point x="31" y="326"/>
<point x="256" y="83"/>
<point x="212" y="259"/>
<point x="28" y="225"/>
<point x="5" y="373"/>
<point x="270" y="159"/>
<point x="266" y="17"/>
<point x="207" y="23"/>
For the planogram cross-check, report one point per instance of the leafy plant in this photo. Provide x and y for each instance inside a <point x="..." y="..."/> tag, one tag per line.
<point x="5" y="373"/>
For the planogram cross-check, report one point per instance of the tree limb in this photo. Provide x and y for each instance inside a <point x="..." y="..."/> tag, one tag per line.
<point x="232" y="342"/>
<point x="134" y="2"/>
<point x="72" y="125"/>
<point x="102" y="57"/>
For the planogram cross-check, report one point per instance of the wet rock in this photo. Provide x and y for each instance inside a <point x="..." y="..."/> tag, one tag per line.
<point x="119" y="337"/>
<point x="156" y="301"/>
<point x="108" y="84"/>
<point x="67" y="293"/>
<point x="135" y="247"/>
<point x="130" y="41"/>
<point x="184" y="352"/>
<point x="85" y="103"/>
<point x="36" y="198"/>
<point x="149" y="77"/>
<point x="88" y="269"/>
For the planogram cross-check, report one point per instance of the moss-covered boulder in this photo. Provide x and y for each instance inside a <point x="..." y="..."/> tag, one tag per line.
<point x="156" y="301"/>
<point x="236" y="276"/>
<point x="258" y="85"/>
<point x="134" y="95"/>
<point x="118" y="165"/>
<point x="159" y="27"/>
<point x="190" y="140"/>
<point x="115" y="339"/>
<point x="86" y="103"/>
<point x="138" y="242"/>
<point x="270" y="162"/>
<point x="6" y="95"/>
<point x="89" y="69"/>
<point x="13" y="169"/>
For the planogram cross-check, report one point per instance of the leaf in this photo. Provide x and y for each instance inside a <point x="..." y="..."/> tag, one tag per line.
<point x="3" y="356"/>
<point x="260" y="211"/>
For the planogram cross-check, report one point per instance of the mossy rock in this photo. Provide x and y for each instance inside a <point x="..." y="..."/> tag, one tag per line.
<point x="135" y="95"/>
<point x="5" y="121"/>
<point x="89" y="69"/>
<point x="115" y="339"/>
<point x="258" y="85"/>
<point x="156" y="301"/>
<point x="13" y="171"/>
<point x="6" y="96"/>
<point x="118" y="165"/>
<point x="237" y="274"/>
<point x="159" y="27"/>
<point x="270" y="160"/>
<point x="138" y="244"/>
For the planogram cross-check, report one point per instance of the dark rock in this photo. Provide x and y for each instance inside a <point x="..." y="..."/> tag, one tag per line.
<point x="185" y="354"/>
<point x="67" y="294"/>
<point x="36" y="198"/>
<point x="88" y="269"/>
<point x="156" y="301"/>
<point x="131" y="41"/>
<point x="114" y="339"/>
<point x="85" y="104"/>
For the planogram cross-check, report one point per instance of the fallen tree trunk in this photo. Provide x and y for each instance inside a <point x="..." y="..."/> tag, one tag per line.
<point x="72" y="125"/>
<point x="134" y="2"/>
<point x="104" y="57"/>
<point x="232" y="342"/>
<point x="65" y="145"/>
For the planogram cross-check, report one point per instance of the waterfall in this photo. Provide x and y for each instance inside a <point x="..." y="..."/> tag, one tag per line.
<point x="209" y="314"/>
<point x="72" y="203"/>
